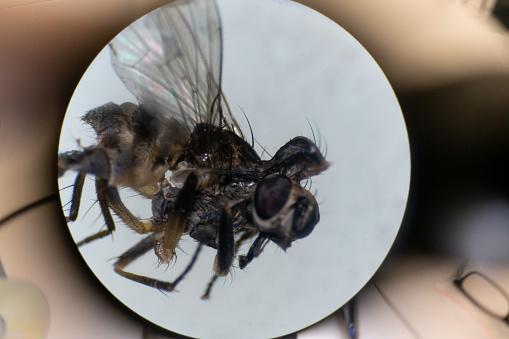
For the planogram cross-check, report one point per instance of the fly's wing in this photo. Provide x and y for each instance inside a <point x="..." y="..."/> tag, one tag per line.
<point x="171" y="60"/>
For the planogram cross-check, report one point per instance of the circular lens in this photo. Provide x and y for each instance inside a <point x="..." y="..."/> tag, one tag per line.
<point x="285" y="66"/>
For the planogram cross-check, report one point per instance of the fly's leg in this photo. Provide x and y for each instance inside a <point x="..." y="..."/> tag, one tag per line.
<point x="116" y="204"/>
<point x="243" y="238"/>
<point x="108" y="219"/>
<point x="149" y="191"/>
<point x="254" y="251"/>
<point x="141" y="248"/>
<point x="206" y="294"/>
<point x="177" y="222"/>
<point x="108" y="197"/>
<point x="226" y="246"/>
<point x="76" y="197"/>
<point x="225" y="243"/>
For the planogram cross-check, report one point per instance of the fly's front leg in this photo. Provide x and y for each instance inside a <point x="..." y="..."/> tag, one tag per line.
<point x="141" y="248"/>
<point x="177" y="222"/>
<point x="254" y="251"/>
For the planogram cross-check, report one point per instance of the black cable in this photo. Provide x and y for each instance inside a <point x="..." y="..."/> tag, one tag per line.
<point x="29" y="207"/>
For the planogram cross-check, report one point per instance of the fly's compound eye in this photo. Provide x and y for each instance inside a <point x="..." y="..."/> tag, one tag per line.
<point x="283" y="210"/>
<point x="271" y="195"/>
<point x="305" y="217"/>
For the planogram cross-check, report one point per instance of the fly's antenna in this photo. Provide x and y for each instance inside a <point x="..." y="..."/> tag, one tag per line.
<point x="250" y="128"/>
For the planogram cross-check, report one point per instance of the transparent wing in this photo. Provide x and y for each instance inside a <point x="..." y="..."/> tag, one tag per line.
<point x="171" y="60"/>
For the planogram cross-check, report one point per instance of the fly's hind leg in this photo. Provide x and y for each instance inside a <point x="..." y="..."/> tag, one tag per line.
<point x="108" y="197"/>
<point x="141" y="248"/>
<point x="254" y="251"/>
<point x="108" y="219"/>
<point x="102" y="199"/>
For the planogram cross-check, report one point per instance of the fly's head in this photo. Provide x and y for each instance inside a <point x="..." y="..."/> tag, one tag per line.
<point x="298" y="159"/>
<point x="284" y="211"/>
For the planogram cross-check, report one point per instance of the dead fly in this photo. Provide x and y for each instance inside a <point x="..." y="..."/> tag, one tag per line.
<point x="181" y="148"/>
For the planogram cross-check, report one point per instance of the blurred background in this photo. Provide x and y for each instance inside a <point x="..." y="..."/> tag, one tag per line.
<point x="448" y="62"/>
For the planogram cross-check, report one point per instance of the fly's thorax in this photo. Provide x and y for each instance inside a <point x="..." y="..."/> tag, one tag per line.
<point x="214" y="147"/>
<point x="204" y="221"/>
<point x="283" y="210"/>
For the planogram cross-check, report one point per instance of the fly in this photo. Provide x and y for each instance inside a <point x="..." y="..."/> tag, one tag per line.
<point x="180" y="147"/>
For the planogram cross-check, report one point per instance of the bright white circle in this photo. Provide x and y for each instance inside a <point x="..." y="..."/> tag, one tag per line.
<point x="291" y="70"/>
